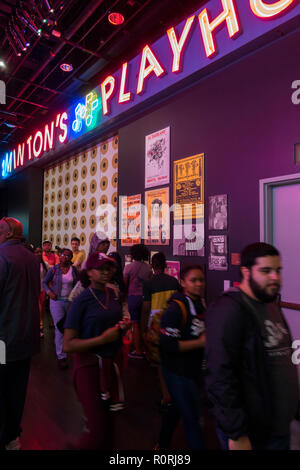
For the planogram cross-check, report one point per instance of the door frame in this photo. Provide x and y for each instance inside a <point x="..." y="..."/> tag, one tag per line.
<point x="266" y="203"/>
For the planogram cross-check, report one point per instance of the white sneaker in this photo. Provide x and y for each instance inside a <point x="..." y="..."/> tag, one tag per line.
<point x="14" y="445"/>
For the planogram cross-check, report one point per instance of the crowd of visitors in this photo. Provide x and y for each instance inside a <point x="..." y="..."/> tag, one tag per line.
<point x="237" y="351"/>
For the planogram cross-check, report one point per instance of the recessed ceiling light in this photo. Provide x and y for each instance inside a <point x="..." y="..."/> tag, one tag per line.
<point x="2" y="64"/>
<point x="116" y="18"/>
<point x="66" y="67"/>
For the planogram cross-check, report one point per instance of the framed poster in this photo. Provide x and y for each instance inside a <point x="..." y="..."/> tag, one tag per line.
<point x="173" y="269"/>
<point x="189" y="188"/>
<point x="188" y="238"/>
<point x="157" y="217"/>
<point x="218" y="253"/>
<point x="130" y="227"/>
<point x="157" y="158"/>
<point x="217" y="219"/>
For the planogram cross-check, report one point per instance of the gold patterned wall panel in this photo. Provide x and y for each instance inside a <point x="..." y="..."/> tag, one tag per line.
<point x="74" y="189"/>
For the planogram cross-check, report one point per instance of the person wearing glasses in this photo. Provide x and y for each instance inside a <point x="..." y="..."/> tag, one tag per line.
<point x="58" y="283"/>
<point x="19" y="327"/>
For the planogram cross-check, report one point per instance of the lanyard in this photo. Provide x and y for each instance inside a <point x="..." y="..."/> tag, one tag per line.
<point x="192" y="306"/>
<point x="99" y="301"/>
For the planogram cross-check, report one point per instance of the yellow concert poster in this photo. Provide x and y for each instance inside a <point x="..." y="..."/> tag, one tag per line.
<point x="189" y="188"/>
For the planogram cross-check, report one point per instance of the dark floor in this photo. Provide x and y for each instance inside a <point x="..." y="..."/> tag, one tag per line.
<point x="53" y="415"/>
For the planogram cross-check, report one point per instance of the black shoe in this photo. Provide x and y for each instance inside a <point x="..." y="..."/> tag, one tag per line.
<point x="62" y="363"/>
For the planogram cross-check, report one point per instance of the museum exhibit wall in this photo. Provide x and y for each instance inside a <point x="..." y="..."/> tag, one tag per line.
<point x="73" y="190"/>
<point x="243" y="120"/>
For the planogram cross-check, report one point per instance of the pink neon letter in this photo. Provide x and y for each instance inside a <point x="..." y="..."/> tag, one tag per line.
<point x="28" y="141"/>
<point x="20" y="158"/>
<point x="64" y="127"/>
<point x="15" y="160"/>
<point x="106" y="94"/>
<point x="36" y="152"/>
<point x="48" y="137"/>
<point x="154" y="66"/>
<point x="207" y="28"/>
<point x="123" y="97"/>
<point x="267" y="10"/>
<point x="178" y="46"/>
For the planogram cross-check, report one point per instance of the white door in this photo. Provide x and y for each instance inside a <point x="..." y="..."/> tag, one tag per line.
<point x="280" y="226"/>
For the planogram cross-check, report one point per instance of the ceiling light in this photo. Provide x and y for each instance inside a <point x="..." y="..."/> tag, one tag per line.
<point x="12" y="43"/>
<point x="17" y="40"/>
<point x="66" y="67"/>
<point x="27" y="20"/>
<point x="18" y="32"/>
<point x="116" y="18"/>
<point x="48" y="6"/>
<point x="56" y="33"/>
<point x="2" y="64"/>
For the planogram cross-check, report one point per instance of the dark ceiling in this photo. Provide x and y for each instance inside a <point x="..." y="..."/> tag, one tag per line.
<point x="35" y="84"/>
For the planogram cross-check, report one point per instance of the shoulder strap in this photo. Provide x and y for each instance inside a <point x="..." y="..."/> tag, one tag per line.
<point x="183" y="311"/>
<point x="137" y="272"/>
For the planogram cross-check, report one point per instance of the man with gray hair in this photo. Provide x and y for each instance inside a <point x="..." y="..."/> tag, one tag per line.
<point x="19" y="327"/>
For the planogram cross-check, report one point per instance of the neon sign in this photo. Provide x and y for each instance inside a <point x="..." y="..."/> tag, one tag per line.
<point x="86" y="112"/>
<point x="35" y="145"/>
<point x="6" y="165"/>
<point x="211" y="34"/>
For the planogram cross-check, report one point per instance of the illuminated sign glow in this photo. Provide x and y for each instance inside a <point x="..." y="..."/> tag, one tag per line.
<point x="154" y="66"/>
<point x="207" y="27"/>
<point x="268" y="10"/>
<point x="35" y="145"/>
<point x="6" y="165"/>
<point x="86" y="112"/>
<point x="212" y="33"/>
<point x="176" y="45"/>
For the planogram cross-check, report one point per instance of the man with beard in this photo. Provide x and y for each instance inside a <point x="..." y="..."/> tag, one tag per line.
<point x="251" y="381"/>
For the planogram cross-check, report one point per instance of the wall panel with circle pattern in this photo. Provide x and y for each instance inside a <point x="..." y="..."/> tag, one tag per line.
<point x="74" y="189"/>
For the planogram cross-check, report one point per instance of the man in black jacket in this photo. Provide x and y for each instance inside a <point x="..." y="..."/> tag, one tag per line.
<point x="251" y="381"/>
<point x="19" y="327"/>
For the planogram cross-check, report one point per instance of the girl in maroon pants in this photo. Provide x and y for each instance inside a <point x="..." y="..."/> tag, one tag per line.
<point x="93" y="331"/>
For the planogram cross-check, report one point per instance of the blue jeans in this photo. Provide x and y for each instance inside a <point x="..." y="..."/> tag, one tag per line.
<point x="185" y="398"/>
<point x="271" y="443"/>
<point x="58" y="309"/>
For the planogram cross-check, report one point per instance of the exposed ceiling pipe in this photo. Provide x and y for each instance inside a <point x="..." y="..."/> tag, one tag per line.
<point x="69" y="52"/>
<point x="28" y="102"/>
<point x="40" y="86"/>
<point x="102" y="45"/>
<point x="77" y="46"/>
<point x="117" y="31"/>
<point x="88" y="11"/>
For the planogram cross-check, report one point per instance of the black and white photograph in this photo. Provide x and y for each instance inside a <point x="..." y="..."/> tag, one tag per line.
<point x="218" y="212"/>
<point x="218" y="253"/>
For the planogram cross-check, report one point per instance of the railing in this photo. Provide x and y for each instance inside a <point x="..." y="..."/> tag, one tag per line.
<point x="290" y="305"/>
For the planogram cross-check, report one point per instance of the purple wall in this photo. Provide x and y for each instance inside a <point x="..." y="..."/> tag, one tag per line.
<point x="244" y="121"/>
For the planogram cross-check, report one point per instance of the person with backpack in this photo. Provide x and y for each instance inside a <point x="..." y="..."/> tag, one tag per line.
<point x="156" y="294"/>
<point x="135" y="274"/>
<point x="182" y="341"/>
<point x="58" y="283"/>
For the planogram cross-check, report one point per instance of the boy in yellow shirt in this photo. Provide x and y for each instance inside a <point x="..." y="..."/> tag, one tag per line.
<point x="78" y="255"/>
